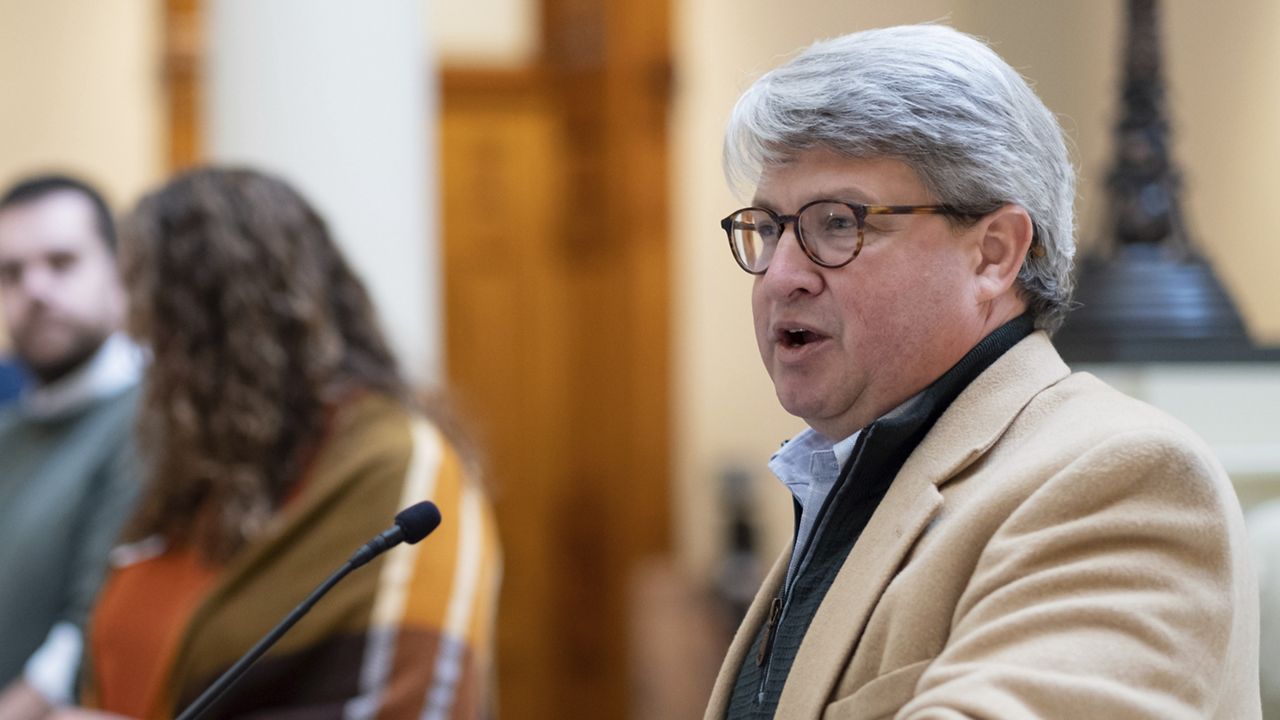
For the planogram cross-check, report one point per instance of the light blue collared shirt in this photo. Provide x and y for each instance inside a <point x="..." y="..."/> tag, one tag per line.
<point x="809" y="465"/>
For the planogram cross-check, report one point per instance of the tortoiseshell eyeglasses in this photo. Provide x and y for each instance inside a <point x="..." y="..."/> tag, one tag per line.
<point x="829" y="231"/>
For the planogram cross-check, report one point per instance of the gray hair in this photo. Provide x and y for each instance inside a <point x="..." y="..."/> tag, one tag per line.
<point x="942" y="102"/>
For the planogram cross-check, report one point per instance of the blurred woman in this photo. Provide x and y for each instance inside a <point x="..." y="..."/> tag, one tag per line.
<point x="280" y="436"/>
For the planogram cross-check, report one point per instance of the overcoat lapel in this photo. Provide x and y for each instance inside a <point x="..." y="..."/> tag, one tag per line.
<point x="973" y="423"/>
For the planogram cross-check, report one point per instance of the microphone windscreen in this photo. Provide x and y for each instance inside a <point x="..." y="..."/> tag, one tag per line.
<point x="417" y="521"/>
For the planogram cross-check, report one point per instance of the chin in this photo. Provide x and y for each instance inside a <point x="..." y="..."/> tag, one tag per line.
<point x="52" y="361"/>
<point x="801" y="406"/>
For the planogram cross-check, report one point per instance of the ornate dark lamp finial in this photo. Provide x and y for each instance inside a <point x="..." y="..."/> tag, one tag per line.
<point x="1144" y="293"/>
<point x="1143" y="185"/>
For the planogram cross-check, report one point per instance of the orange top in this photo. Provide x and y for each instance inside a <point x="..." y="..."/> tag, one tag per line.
<point x="136" y="630"/>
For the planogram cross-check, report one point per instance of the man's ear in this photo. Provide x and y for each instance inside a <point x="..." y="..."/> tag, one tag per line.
<point x="1005" y="240"/>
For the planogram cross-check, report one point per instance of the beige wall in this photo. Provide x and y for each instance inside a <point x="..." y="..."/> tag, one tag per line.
<point x="81" y="88"/>
<point x="1226" y="94"/>
<point x="1225" y="106"/>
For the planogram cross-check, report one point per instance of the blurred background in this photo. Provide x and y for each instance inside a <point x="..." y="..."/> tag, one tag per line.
<point x="531" y="188"/>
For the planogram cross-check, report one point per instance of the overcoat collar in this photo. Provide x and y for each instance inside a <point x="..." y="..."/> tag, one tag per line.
<point x="969" y="427"/>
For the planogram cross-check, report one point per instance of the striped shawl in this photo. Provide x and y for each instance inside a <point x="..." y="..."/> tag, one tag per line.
<point x="409" y="635"/>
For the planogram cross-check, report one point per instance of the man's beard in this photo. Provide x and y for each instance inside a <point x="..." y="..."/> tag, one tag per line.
<point x="83" y="346"/>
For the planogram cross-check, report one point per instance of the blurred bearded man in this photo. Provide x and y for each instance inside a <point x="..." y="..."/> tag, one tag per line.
<point x="67" y="481"/>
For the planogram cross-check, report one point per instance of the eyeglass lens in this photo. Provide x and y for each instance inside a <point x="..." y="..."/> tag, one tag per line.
<point x="828" y="231"/>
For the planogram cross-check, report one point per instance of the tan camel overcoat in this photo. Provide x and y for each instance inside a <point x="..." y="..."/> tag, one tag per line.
<point x="1052" y="549"/>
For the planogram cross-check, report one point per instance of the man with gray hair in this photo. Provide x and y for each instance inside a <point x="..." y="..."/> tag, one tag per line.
<point x="980" y="532"/>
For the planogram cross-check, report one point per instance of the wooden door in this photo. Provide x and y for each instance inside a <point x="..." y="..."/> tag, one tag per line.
<point x="555" y="229"/>
<point x="556" y="300"/>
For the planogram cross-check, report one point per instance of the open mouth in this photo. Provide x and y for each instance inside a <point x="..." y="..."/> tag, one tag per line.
<point x="797" y="337"/>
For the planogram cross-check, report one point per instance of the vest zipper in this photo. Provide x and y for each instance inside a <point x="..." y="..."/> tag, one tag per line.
<point x="775" y="609"/>
<point x="764" y="656"/>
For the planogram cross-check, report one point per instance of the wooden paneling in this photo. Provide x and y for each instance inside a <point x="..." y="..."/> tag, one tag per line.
<point x="555" y="237"/>
<point x="506" y="303"/>
<point x="183" y="55"/>
<point x="560" y="351"/>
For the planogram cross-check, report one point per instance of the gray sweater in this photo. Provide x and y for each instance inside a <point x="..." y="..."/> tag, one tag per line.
<point x="67" y="484"/>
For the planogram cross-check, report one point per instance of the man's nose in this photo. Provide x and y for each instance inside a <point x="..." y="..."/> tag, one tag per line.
<point x="790" y="269"/>
<point x="38" y="283"/>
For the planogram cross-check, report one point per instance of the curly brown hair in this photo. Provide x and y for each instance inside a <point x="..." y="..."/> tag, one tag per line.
<point x="257" y="327"/>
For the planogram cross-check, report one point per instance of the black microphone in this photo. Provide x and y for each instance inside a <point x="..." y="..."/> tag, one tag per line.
<point x="412" y="525"/>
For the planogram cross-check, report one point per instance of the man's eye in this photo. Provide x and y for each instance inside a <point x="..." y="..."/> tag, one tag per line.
<point x="840" y="223"/>
<point x="10" y="274"/>
<point x="766" y="230"/>
<point x="61" y="262"/>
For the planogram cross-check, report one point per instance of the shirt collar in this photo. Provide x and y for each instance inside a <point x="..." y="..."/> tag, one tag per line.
<point x="114" y="368"/>
<point x="810" y="457"/>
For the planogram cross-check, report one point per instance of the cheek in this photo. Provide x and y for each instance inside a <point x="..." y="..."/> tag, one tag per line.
<point x="889" y="319"/>
<point x="84" y="298"/>
<point x="12" y="297"/>
<point x="10" y="307"/>
<point x="93" y="288"/>
<point x="870" y="301"/>
<point x="760" y="324"/>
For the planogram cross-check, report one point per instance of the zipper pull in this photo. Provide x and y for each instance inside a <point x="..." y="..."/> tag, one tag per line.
<point x="775" y="609"/>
